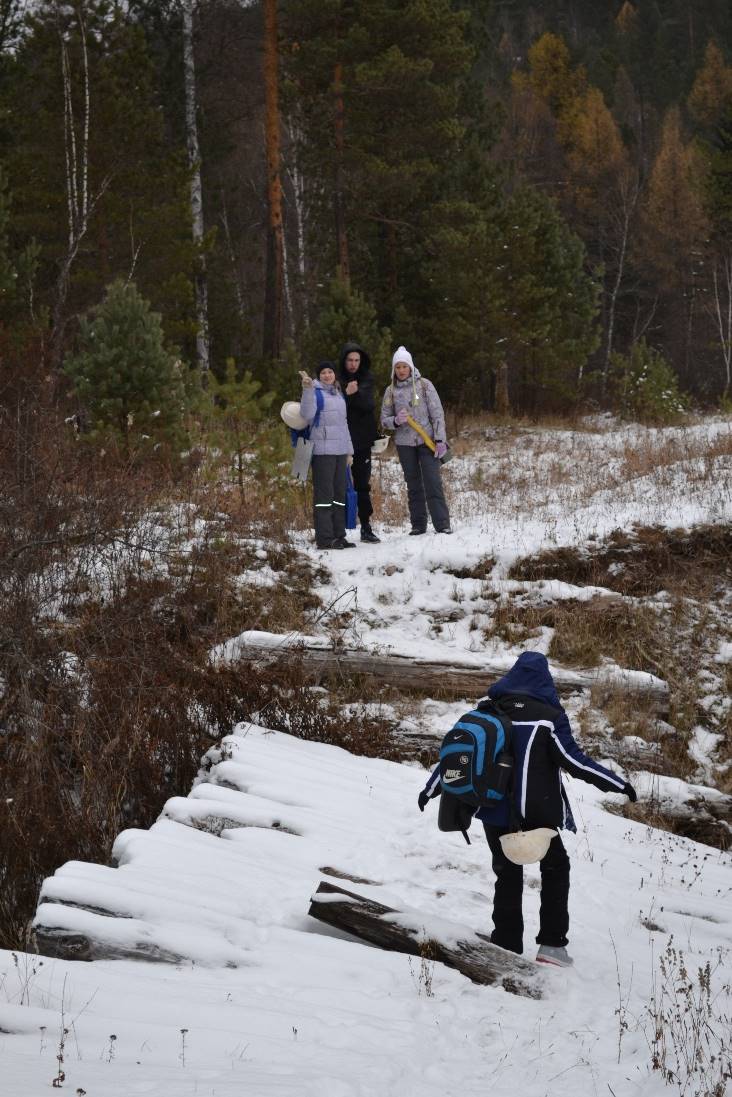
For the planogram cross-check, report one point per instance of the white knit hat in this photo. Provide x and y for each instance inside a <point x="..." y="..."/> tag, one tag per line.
<point x="523" y="847"/>
<point x="401" y="354"/>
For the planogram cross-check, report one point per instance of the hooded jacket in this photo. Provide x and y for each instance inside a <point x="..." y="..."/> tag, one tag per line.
<point x="331" y="435"/>
<point x="361" y="404"/>
<point x="419" y="397"/>
<point x="543" y="746"/>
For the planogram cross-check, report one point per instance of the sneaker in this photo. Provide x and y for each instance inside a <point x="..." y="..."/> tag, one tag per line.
<point x="368" y="535"/>
<point x="342" y="543"/>
<point x="416" y="532"/>
<point x="554" y="954"/>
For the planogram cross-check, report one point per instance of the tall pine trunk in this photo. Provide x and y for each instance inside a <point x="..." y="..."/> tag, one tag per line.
<point x="338" y="202"/>
<point x="503" y="404"/>
<point x="275" y="272"/>
<point x="194" y="161"/>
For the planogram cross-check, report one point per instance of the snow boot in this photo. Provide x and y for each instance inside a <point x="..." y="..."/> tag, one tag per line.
<point x="554" y="954"/>
<point x="368" y="535"/>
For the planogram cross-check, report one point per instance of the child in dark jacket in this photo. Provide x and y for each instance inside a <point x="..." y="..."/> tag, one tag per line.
<point x="543" y="746"/>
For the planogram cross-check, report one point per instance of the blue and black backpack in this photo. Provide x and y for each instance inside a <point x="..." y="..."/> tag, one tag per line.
<point x="476" y="766"/>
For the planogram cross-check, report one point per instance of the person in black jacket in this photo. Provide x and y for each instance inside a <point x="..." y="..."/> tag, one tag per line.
<point x="358" y="387"/>
<point x="543" y="746"/>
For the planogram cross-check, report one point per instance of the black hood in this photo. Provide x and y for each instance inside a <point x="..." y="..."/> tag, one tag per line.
<point x="363" y="369"/>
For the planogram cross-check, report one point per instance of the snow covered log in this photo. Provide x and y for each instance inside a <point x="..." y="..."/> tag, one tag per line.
<point x="702" y="819"/>
<point x="474" y="955"/>
<point x="456" y="677"/>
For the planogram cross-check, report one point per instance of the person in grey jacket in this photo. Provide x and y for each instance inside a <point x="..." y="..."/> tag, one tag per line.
<point x="323" y="406"/>
<point x="412" y="396"/>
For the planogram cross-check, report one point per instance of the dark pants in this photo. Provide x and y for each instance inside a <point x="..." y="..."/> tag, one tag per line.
<point x="424" y="487"/>
<point x="508" y="920"/>
<point x="329" y="497"/>
<point x="361" y="473"/>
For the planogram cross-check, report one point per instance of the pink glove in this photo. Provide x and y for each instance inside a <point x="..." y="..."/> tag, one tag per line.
<point x="401" y="417"/>
<point x="440" y="450"/>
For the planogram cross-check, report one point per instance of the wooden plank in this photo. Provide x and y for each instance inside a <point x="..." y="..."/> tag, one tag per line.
<point x="431" y="676"/>
<point x="63" y="944"/>
<point x="477" y="958"/>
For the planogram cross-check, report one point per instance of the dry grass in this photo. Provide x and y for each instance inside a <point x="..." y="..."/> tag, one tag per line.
<point x="584" y="632"/>
<point x="642" y="562"/>
<point x="630" y="716"/>
<point x="676" y="637"/>
<point x="115" y="582"/>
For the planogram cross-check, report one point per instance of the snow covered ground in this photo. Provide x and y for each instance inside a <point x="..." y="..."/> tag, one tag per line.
<point x="265" y="1000"/>
<point x="257" y="998"/>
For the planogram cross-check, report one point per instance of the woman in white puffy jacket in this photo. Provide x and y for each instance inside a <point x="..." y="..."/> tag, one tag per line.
<point x="412" y="396"/>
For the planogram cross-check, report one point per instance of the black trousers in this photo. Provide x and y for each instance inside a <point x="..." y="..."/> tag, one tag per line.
<point x="329" y="497"/>
<point x="508" y="919"/>
<point x="361" y="473"/>
<point x="424" y="487"/>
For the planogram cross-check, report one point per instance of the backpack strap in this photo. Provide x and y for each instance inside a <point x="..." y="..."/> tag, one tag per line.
<point x="305" y="432"/>
<point x="295" y="435"/>
<point x="319" y="405"/>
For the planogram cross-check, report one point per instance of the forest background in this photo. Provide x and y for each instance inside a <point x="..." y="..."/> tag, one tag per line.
<point x="537" y="202"/>
<point x="198" y="199"/>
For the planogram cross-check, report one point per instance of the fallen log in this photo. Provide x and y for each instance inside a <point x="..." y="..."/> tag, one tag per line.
<point x="474" y="956"/>
<point x="455" y="677"/>
<point x="708" y="821"/>
<point x="62" y="944"/>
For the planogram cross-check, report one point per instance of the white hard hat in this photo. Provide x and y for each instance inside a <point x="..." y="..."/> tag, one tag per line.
<point x="379" y="446"/>
<point x="290" y="414"/>
<point x="523" y="847"/>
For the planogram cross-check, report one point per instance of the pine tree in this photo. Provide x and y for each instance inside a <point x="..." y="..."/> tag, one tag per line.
<point x="674" y="208"/>
<point x="7" y="268"/>
<point x="399" y="66"/>
<point x="718" y="206"/>
<point x="711" y="95"/>
<point x="674" y="239"/>
<point x="510" y="290"/>
<point x="238" y="409"/>
<point x="129" y="385"/>
<point x="125" y="181"/>
<point x="345" y="316"/>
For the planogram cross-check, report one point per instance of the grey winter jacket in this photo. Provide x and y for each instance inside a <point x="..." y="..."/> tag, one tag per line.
<point x="419" y="397"/>
<point x="331" y="436"/>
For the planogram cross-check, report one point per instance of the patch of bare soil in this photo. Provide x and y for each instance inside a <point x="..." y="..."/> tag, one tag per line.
<point x="642" y="562"/>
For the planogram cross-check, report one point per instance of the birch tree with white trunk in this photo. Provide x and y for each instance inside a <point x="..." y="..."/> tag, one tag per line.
<point x="194" y="162"/>
<point x="721" y="310"/>
<point x="80" y="203"/>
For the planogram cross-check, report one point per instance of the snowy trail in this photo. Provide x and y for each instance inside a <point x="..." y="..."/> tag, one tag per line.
<point x="259" y="999"/>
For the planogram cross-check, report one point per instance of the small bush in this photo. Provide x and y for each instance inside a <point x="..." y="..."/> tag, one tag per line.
<point x="645" y="386"/>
